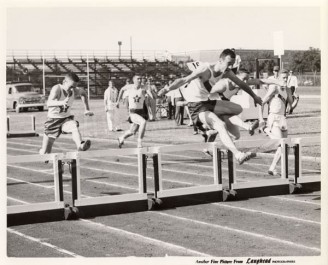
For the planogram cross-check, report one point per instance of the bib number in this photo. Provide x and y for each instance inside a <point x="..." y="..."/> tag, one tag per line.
<point x="193" y="65"/>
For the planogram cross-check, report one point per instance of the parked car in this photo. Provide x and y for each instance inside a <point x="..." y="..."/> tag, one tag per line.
<point x="308" y="83"/>
<point x="21" y="96"/>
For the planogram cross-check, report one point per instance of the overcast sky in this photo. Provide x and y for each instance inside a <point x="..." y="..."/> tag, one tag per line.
<point x="174" y="29"/>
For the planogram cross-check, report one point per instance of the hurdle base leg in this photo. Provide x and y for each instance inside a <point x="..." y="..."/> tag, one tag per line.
<point x="295" y="188"/>
<point x="229" y="195"/>
<point x="71" y="213"/>
<point x="154" y="204"/>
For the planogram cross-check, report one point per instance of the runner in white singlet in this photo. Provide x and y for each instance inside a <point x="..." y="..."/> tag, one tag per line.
<point x="60" y="120"/>
<point x="276" y="126"/>
<point x="202" y="107"/>
<point x="138" y="114"/>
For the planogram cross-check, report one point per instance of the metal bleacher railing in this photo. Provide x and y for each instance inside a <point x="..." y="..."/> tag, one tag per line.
<point x="43" y="68"/>
<point x="151" y="55"/>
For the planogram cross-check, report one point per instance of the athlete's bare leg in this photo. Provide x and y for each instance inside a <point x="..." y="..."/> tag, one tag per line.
<point x="228" y="108"/>
<point x="47" y="144"/>
<point x="213" y="121"/>
<point x="276" y="133"/>
<point x="232" y="128"/>
<point x="240" y="123"/>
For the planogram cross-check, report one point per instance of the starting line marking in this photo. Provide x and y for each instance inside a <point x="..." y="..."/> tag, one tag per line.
<point x="241" y="232"/>
<point x="40" y="241"/>
<point x="149" y="239"/>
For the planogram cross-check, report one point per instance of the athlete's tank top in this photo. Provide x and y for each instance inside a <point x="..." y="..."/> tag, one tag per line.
<point x="60" y="111"/>
<point x="278" y="102"/>
<point x="136" y="98"/>
<point x="198" y="89"/>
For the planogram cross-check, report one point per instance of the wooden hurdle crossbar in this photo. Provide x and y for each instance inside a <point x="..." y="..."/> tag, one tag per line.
<point x="41" y="211"/>
<point x="170" y="195"/>
<point x="26" y="133"/>
<point x="102" y="205"/>
<point x="282" y="185"/>
<point x="298" y="144"/>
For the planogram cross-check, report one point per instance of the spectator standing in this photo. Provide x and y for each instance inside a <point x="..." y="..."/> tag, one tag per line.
<point x="151" y="102"/>
<point x="179" y="107"/>
<point x="110" y="98"/>
<point x="123" y="90"/>
<point x="237" y="63"/>
<point x="170" y="102"/>
<point x="292" y="83"/>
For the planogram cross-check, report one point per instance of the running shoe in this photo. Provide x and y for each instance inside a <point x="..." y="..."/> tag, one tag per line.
<point x="211" y="135"/>
<point x="85" y="145"/>
<point x="243" y="157"/>
<point x="273" y="172"/>
<point x="120" y="143"/>
<point x="207" y="153"/>
<point x="253" y="127"/>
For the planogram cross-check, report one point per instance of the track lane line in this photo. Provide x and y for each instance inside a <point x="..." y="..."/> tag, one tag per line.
<point x="239" y="231"/>
<point x="41" y="242"/>
<point x="294" y="200"/>
<point x="218" y="226"/>
<point x="131" y="157"/>
<point x="142" y="238"/>
<point x="16" y="200"/>
<point x="267" y="213"/>
<point x="114" y="172"/>
<point x="168" y="170"/>
<point x="192" y="183"/>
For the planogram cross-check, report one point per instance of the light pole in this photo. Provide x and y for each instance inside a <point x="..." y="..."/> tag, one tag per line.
<point x="119" y="49"/>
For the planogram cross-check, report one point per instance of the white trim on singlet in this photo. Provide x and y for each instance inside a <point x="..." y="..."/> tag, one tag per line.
<point x="59" y="111"/>
<point x="277" y="105"/>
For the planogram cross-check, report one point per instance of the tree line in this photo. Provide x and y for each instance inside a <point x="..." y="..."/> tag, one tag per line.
<point x="298" y="61"/>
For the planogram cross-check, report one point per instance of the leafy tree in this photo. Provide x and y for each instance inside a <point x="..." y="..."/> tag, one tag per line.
<point x="312" y="60"/>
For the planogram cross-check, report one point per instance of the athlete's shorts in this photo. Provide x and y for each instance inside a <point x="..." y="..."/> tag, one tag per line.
<point x="54" y="127"/>
<point x="197" y="107"/>
<point x="141" y="112"/>
<point x="277" y="120"/>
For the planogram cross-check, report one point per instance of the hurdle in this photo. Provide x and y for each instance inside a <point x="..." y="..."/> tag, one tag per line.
<point x="270" y="187"/>
<point x="25" y="133"/>
<point x="39" y="212"/>
<point x="259" y="188"/>
<point x="301" y="182"/>
<point x="109" y="204"/>
<point x="186" y="195"/>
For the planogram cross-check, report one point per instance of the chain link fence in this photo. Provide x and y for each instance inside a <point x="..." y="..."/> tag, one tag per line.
<point x="309" y="80"/>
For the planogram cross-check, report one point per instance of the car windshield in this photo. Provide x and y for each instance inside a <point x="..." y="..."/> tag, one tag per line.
<point x="24" y="88"/>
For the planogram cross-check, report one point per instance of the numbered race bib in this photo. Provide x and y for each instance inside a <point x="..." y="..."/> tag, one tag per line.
<point x="194" y="65"/>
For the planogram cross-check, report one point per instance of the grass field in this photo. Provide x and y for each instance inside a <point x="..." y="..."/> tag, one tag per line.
<point x="267" y="226"/>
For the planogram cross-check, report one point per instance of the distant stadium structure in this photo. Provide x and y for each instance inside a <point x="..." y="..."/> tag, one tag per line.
<point x="95" y="68"/>
<point x="46" y="68"/>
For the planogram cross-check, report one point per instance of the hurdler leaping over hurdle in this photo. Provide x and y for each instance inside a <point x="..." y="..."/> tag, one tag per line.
<point x="60" y="120"/>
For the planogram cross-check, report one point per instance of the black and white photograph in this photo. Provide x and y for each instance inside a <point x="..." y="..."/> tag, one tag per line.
<point x="160" y="132"/>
